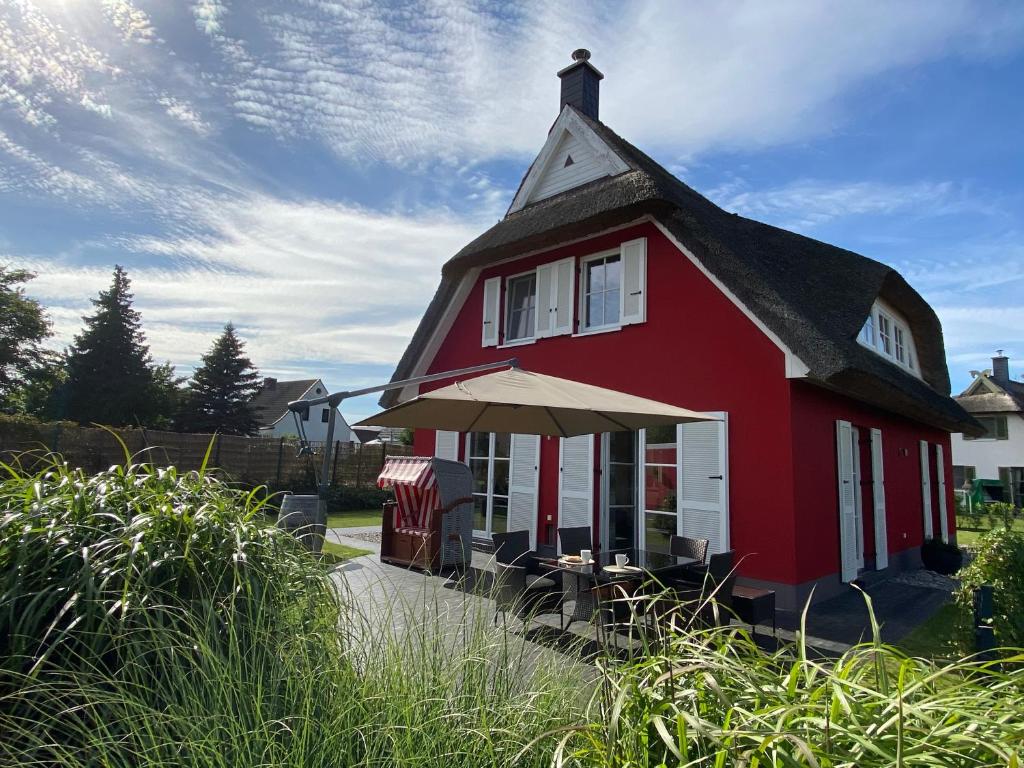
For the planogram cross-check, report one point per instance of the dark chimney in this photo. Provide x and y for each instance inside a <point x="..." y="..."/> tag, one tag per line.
<point x="1000" y="366"/>
<point x="580" y="84"/>
<point x="269" y="383"/>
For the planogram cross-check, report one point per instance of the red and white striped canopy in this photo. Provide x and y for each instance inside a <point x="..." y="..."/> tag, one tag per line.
<point x="412" y="478"/>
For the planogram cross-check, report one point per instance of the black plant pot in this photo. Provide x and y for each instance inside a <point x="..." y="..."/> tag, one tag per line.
<point x="941" y="558"/>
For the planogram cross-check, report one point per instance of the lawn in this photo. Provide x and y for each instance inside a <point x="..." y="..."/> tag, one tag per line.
<point x="967" y="535"/>
<point x="354" y="519"/>
<point x="934" y="638"/>
<point x="334" y="553"/>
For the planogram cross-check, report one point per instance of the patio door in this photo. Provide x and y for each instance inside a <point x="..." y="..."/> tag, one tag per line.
<point x="683" y="484"/>
<point x="505" y="469"/>
<point x="858" y="496"/>
<point x="618" y="490"/>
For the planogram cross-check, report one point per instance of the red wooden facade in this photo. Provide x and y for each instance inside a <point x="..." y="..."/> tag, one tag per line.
<point x="698" y="349"/>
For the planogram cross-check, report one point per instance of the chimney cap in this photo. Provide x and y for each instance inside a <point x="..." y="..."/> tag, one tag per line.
<point x="581" y="58"/>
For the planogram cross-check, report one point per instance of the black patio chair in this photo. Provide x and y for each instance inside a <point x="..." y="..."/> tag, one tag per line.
<point x="517" y="586"/>
<point x="683" y="546"/>
<point x="574" y="540"/>
<point x="706" y="592"/>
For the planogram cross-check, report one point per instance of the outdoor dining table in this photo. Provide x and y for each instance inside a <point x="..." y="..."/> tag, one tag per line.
<point x="604" y="588"/>
<point x="642" y="564"/>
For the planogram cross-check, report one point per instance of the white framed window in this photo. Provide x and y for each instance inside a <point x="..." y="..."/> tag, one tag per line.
<point x="489" y="455"/>
<point x="601" y="291"/>
<point x="884" y="334"/>
<point x="887" y="333"/>
<point x="996" y="428"/>
<point x="521" y="307"/>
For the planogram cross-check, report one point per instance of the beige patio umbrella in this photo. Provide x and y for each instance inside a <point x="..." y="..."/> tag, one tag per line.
<point x="532" y="404"/>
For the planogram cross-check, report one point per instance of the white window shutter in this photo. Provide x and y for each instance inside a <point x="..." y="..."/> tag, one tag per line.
<point x="847" y="501"/>
<point x="576" y="482"/>
<point x="522" y="487"/>
<point x="940" y="474"/>
<point x="545" y="308"/>
<point x="926" y="491"/>
<point x="878" y="496"/>
<point x="634" y="281"/>
<point x="704" y="482"/>
<point x="446" y="445"/>
<point x="492" y="311"/>
<point x="563" y="295"/>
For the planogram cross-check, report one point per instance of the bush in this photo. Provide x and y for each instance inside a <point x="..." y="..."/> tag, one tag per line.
<point x="941" y="557"/>
<point x="999" y="561"/>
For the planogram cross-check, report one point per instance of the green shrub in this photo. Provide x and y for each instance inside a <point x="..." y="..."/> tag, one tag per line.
<point x="999" y="561"/>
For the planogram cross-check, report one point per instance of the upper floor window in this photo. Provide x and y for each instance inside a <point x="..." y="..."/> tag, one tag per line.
<point x="996" y="428"/>
<point x="604" y="291"/>
<point x="601" y="291"/>
<point x="889" y="335"/>
<point x="521" y="300"/>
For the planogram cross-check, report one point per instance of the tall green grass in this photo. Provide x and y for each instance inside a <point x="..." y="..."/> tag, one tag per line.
<point x="152" y="618"/>
<point x="149" y="618"/>
<point x="712" y="697"/>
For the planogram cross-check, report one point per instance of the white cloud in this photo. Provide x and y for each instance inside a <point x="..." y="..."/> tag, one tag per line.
<point x="807" y="203"/>
<point x="301" y="280"/>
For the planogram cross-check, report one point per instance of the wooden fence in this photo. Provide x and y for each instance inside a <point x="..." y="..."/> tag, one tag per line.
<point x="252" y="460"/>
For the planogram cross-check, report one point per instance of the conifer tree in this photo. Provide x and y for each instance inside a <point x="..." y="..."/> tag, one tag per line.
<point x="221" y="389"/>
<point x="109" y="377"/>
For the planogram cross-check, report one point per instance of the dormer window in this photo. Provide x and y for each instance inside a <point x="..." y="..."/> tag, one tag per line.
<point x="887" y="333"/>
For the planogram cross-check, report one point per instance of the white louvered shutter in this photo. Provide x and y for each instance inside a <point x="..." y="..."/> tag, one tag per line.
<point x="522" y="487"/>
<point x="704" y="482"/>
<point x="634" y="281"/>
<point x="545" y="306"/>
<point x="446" y="445"/>
<point x="847" y="501"/>
<point x="563" y="293"/>
<point x="940" y="475"/>
<point x="492" y="312"/>
<point x="576" y="482"/>
<point x="878" y="497"/>
<point x="926" y="491"/>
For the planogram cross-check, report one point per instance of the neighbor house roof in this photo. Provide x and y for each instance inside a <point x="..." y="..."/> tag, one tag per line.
<point x="814" y="296"/>
<point x="271" y="402"/>
<point x="1000" y="396"/>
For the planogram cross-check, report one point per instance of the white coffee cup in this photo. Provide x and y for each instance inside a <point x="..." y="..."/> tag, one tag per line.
<point x="585" y="556"/>
<point x="621" y="560"/>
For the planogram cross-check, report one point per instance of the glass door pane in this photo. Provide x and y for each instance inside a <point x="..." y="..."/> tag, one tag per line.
<point x="621" y="490"/>
<point x="660" y="475"/>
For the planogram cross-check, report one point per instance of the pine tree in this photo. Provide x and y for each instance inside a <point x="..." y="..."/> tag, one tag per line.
<point x="110" y="379"/>
<point x="221" y="390"/>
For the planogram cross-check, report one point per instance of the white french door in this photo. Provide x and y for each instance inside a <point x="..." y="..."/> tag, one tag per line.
<point x="858" y="496"/>
<point x="683" y="484"/>
<point x="489" y="456"/>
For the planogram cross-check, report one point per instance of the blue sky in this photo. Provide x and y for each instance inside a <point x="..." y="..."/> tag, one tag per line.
<point x="304" y="168"/>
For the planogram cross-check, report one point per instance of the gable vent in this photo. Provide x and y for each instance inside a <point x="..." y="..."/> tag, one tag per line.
<point x="568" y="161"/>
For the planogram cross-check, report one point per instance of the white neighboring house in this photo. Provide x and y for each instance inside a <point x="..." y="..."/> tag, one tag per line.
<point x="997" y="401"/>
<point x="275" y="420"/>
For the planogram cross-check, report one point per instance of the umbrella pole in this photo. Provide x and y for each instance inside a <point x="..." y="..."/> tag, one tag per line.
<point x="335" y="400"/>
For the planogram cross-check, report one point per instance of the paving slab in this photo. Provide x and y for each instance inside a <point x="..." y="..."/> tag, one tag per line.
<point x="899" y="608"/>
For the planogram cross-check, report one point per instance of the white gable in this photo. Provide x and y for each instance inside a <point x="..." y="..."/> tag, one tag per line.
<point x="552" y="172"/>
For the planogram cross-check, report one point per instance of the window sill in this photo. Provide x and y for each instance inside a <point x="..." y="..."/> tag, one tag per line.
<point x="598" y="331"/>
<point x="517" y="343"/>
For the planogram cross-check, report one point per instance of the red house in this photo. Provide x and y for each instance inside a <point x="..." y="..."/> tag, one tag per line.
<point x="832" y="458"/>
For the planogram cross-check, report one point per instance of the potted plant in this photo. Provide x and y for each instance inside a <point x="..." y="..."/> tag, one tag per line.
<point x="941" y="557"/>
